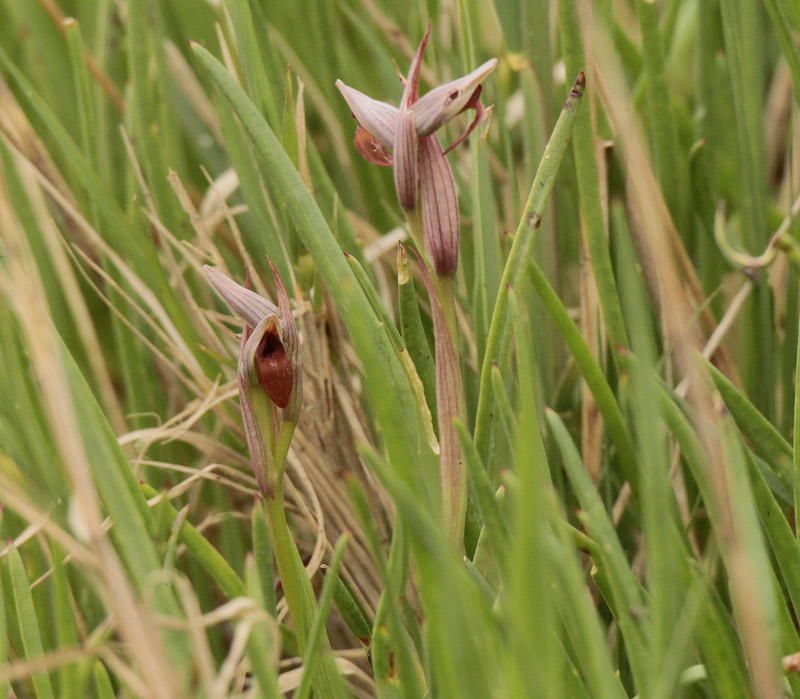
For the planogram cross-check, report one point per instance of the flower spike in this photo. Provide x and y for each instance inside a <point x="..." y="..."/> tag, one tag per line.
<point x="423" y="179"/>
<point x="269" y="372"/>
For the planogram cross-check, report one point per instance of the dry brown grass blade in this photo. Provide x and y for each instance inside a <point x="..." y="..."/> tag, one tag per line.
<point x="22" y="669"/>
<point x="186" y="79"/>
<point x="340" y="145"/>
<point x="592" y="330"/>
<point x="20" y="283"/>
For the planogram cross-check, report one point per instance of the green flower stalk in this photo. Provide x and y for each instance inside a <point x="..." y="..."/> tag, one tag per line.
<point x="426" y="191"/>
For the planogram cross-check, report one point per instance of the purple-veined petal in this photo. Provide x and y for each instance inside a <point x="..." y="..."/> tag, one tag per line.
<point x="246" y="304"/>
<point x="480" y="114"/>
<point x="440" y="223"/>
<point x="443" y="103"/>
<point x="411" y="87"/>
<point x="379" y="118"/>
<point x="406" y="171"/>
<point x="259" y="454"/>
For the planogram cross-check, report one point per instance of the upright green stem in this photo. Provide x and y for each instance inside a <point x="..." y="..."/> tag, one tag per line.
<point x="414" y="220"/>
<point x="300" y="598"/>
<point x="583" y="144"/>
<point x="445" y="290"/>
<point x="796" y="442"/>
<point x="499" y="331"/>
<point x="288" y="558"/>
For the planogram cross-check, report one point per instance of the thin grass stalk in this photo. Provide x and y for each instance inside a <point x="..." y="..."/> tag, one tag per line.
<point x="592" y="374"/>
<point x="583" y="146"/>
<point x="499" y="333"/>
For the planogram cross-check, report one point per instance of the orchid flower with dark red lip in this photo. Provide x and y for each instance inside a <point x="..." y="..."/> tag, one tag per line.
<point x="269" y="374"/>
<point x="422" y="176"/>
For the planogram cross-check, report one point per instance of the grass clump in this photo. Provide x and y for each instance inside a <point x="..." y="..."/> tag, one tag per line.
<point x="512" y="420"/>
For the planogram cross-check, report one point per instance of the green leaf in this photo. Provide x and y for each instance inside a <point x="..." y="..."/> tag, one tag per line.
<point x="28" y="621"/>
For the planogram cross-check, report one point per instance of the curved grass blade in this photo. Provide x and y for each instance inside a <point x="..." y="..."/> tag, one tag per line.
<point x="203" y="551"/>
<point x="763" y="437"/>
<point x="627" y="595"/>
<point x="592" y="374"/>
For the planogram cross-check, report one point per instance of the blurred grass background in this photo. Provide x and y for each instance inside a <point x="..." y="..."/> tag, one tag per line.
<point x="633" y="494"/>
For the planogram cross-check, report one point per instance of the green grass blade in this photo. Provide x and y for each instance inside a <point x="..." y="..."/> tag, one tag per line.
<point x="262" y="551"/>
<point x="592" y="374"/>
<point x="102" y="682"/>
<point x="203" y="551"/>
<point x="28" y="621"/>
<point x="583" y="147"/>
<point x="497" y="530"/>
<point x="763" y="437"/>
<point x="413" y="333"/>
<point x="264" y="636"/>
<point x="626" y="592"/>
<point x="5" y="639"/>
<point x="69" y="682"/>
<point x="517" y="263"/>
<point x="779" y="15"/>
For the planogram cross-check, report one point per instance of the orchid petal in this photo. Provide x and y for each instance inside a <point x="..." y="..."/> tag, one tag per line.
<point x="259" y="453"/>
<point x="411" y="87"/>
<point x="291" y="341"/>
<point x="379" y="118"/>
<point x="246" y="304"/>
<point x="440" y="223"/>
<point x="480" y="113"/>
<point x="443" y="103"/>
<point x="264" y="362"/>
<point x="406" y="168"/>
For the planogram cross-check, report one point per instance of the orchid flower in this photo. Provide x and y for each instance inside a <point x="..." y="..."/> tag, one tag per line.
<point x="269" y="376"/>
<point x="422" y="176"/>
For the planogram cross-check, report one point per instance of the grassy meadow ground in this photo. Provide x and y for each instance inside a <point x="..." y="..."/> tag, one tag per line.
<point x="566" y="467"/>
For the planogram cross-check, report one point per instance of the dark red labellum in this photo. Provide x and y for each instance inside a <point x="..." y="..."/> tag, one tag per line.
<point x="275" y="373"/>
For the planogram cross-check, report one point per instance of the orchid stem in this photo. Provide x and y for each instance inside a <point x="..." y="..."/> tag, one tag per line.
<point x="445" y="290"/>
<point x="414" y="220"/>
<point x="296" y="584"/>
<point x="288" y="559"/>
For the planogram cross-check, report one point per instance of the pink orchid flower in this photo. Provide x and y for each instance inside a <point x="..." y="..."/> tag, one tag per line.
<point x="422" y="175"/>
<point x="270" y="372"/>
